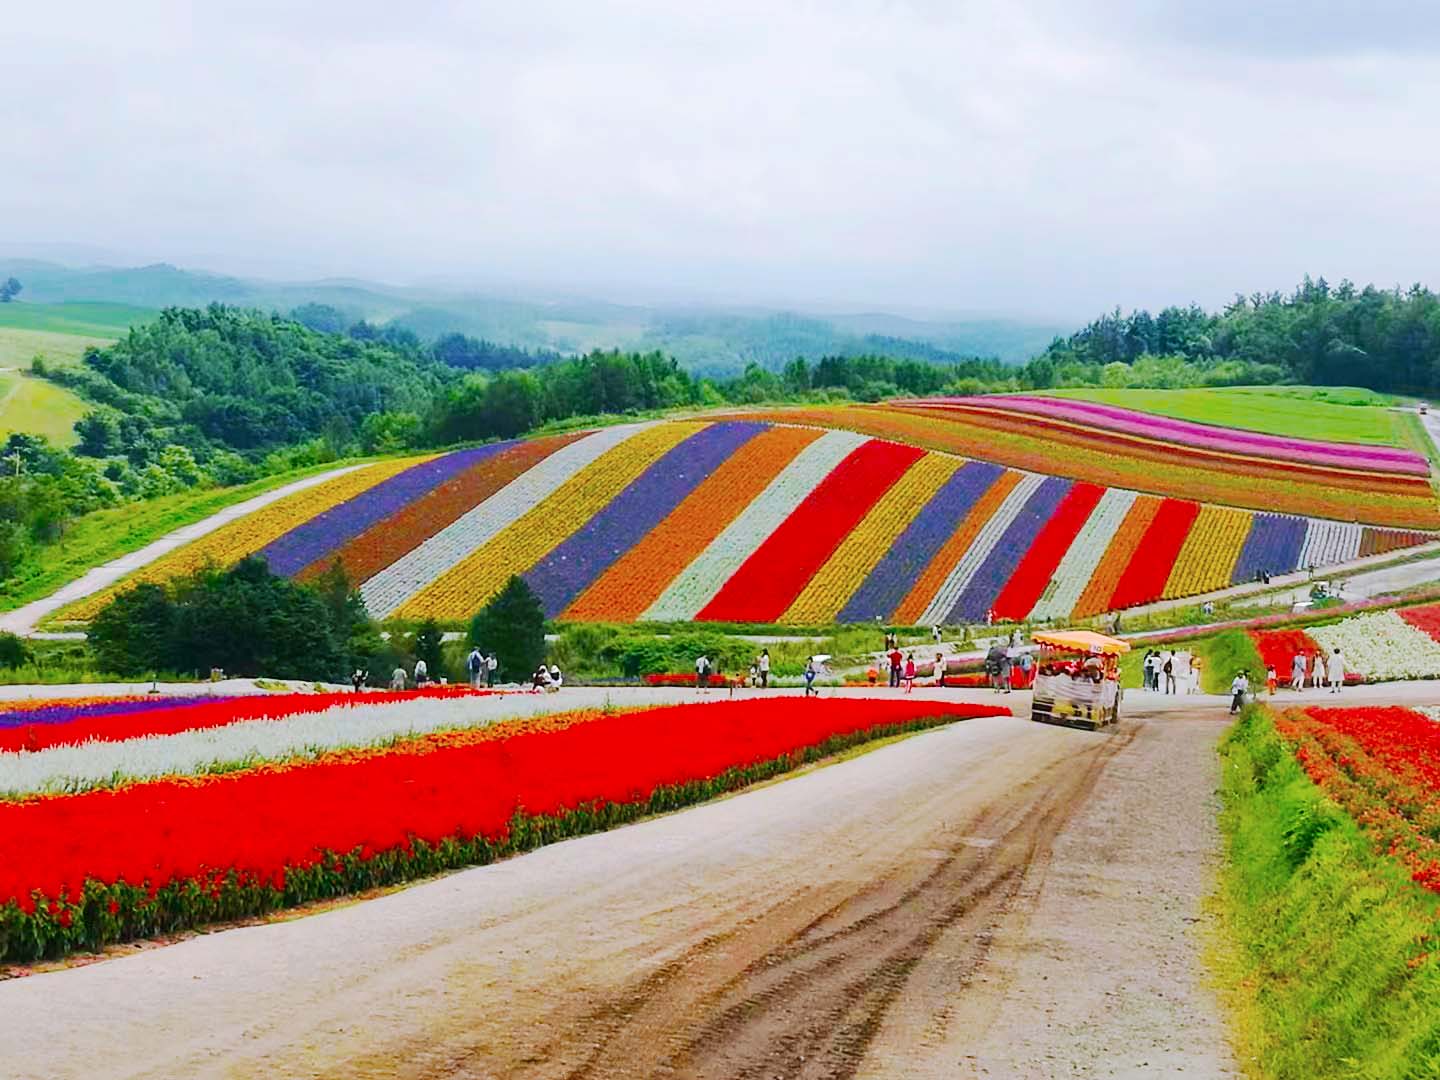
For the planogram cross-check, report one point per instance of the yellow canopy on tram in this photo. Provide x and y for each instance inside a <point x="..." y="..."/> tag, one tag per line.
<point x="1085" y="641"/>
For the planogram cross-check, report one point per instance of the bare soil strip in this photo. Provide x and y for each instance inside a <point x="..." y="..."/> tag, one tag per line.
<point x="929" y="909"/>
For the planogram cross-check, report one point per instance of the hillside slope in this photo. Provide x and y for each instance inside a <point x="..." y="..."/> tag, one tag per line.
<point x="748" y="520"/>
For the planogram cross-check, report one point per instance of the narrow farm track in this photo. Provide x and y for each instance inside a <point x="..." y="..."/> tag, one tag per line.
<point x="943" y="906"/>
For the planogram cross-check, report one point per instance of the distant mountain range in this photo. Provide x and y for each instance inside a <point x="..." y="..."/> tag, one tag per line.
<point x="708" y="340"/>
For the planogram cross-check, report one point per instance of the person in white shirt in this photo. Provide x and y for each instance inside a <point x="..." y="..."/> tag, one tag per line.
<point x="765" y="667"/>
<point x="422" y="673"/>
<point x="1336" y="670"/>
<point x="1239" y="687"/>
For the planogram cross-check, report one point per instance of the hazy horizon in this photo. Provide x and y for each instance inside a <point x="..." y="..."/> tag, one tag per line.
<point x="1030" y="159"/>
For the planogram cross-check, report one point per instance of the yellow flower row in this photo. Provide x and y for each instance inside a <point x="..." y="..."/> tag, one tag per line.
<point x="861" y="551"/>
<point x="231" y="543"/>
<point x="1207" y="558"/>
<point x="466" y="587"/>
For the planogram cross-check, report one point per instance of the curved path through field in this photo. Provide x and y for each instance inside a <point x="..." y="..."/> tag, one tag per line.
<point x="995" y="898"/>
<point x="24" y="620"/>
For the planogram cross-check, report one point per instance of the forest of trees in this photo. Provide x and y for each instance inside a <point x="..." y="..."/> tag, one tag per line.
<point x="1386" y="340"/>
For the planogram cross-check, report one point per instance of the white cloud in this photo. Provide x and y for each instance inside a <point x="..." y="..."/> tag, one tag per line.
<point x="1015" y="155"/>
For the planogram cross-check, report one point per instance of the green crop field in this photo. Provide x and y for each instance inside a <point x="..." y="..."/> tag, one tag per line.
<point x="18" y="347"/>
<point x="1335" y="413"/>
<point x="98" y="320"/>
<point x="37" y="407"/>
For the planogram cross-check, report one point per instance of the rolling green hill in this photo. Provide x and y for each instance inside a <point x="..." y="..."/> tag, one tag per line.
<point x="716" y="341"/>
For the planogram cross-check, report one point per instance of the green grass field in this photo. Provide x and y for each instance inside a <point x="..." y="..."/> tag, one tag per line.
<point x="37" y="407"/>
<point x="107" y="321"/>
<point x="19" y="347"/>
<point x="1333" y="413"/>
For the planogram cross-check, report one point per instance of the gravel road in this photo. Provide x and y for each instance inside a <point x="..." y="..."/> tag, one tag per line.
<point x="995" y="898"/>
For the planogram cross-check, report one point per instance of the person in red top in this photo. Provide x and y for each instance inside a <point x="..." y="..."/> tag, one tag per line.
<point x="895" y="661"/>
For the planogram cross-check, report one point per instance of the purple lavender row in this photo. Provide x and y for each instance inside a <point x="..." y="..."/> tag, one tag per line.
<point x="63" y="713"/>
<point x="1273" y="547"/>
<point x="573" y="566"/>
<point x="324" y="534"/>
<point x="1000" y="564"/>
<point x="890" y="582"/>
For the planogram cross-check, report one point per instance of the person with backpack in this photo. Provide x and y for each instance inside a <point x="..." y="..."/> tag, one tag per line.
<point x="475" y="665"/>
<point x="702" y="671"/>
<point x="1168" y="667"/>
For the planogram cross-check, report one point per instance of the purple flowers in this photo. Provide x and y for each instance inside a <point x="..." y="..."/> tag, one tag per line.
<point x="980" y="593"/>
<point x="887" y="585"/>
<point x="568" y="570"/>
<point x="1273" y="546"/>
<point x="62" y="712"/>
<point x="326" y="533"/>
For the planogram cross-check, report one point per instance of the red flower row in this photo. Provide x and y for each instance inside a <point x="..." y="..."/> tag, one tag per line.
<point x="198" y="847"/>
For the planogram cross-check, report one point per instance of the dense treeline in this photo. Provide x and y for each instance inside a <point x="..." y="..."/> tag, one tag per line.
<point x="1386" y="340"/>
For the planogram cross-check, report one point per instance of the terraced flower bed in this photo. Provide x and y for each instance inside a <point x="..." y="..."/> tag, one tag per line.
<point x="744" y="521"/>
<point x="236" y="814"/>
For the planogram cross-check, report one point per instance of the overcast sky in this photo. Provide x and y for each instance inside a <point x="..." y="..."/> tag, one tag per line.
<point x="1045" y="156"/>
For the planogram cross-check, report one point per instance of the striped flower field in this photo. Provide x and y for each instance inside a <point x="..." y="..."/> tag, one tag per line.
<point x="139" y="817"/>
<point x="751" y="521"/>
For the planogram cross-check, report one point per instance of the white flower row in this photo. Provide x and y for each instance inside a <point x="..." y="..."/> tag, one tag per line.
<point x="1330" y="542"/>
<point x="1381" y="646"/>
<point x="694" y="587"/>
<point x="390" y="588"/>
<point x="60" y="769"/>
<point x="938" y="610"/>
<point x="1084" y="555"/>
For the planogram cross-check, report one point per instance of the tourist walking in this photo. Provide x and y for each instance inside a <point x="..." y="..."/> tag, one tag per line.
<point x="476" y="666"/>
<point x="910" y="673"/>
<point x="810" y="677"/>
<point x="939" y="670"/>
<point x="1007" y="667"/>
<point x="1169" y="669"/>
<point x="1151" y="667"/>
<point x="357" y="679"/>
<point x="1239" y="687"/>
<point x="1337" y="671"/>
<point x="1027" y="664"/>
<point x="1297" y="672"/>
<point x="765" y="667"/>
<point x="492" y="664"/>
<point x="422" y="672"/>
<point x="935" y="630"/>
<point x="397" y="679"/>
<point x="896" y="661"/>
<point x="1270" y="680"/>
<point x="702" y="671"/>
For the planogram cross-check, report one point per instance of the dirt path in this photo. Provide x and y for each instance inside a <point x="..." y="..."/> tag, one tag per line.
<point x="905" y="913"/>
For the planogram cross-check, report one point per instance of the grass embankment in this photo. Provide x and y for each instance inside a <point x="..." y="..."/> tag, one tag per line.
<point x="30" y="404"/>
<point x="1220" y="655"/>
<point x="1331" y="413"/>
<point x="1323" y="942"/>
<point x="97" y="538"/>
